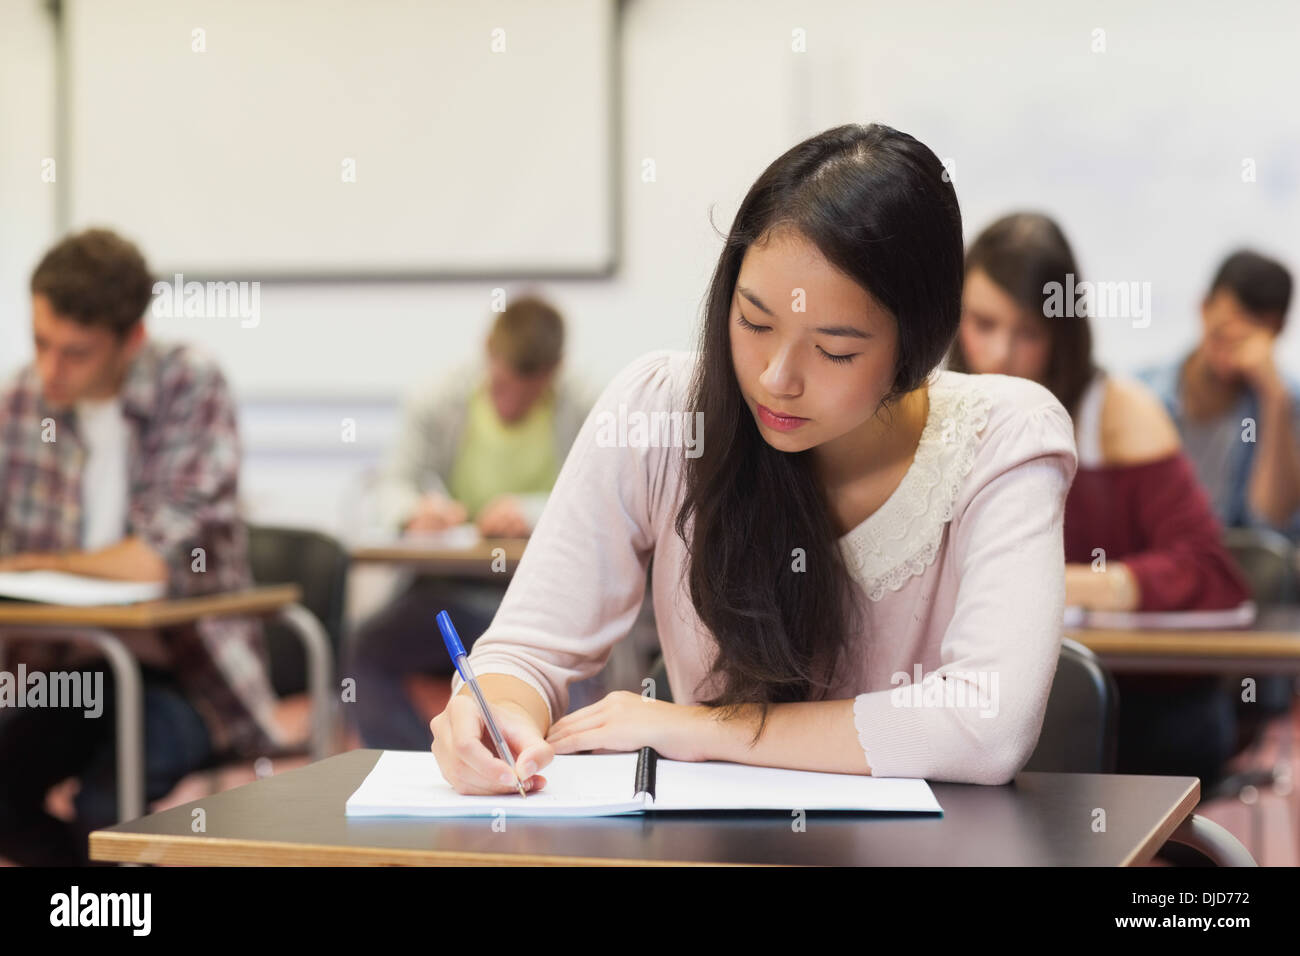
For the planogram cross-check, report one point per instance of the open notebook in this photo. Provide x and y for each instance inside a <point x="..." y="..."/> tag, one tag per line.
<point x="1243" y="615"/>
<point x="407" y="783"/>
<point x="55" y="587"/>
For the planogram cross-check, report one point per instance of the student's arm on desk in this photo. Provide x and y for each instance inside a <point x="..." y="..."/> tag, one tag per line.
<point x="128" y="560"/>
<point x="812" y="735"/>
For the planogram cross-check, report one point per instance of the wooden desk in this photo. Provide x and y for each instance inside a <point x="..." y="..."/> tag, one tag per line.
<point x="1270" y="645"/>
<point x="297" y="818"/>
<point x="450" y="562"/>
<point x="96" y="625"/>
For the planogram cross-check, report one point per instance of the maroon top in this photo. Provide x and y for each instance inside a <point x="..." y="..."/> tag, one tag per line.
<point x="1156" y="519"/>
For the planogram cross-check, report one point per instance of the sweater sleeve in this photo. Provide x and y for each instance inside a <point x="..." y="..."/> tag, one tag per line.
<point x="581" y="581"/>
<point x="1001" y="645"/>
<point x="1184" y="566"/>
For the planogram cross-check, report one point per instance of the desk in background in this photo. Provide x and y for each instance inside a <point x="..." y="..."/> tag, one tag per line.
<point x="475" y="561"/>
<point x="96" y="625"/>
<point x="629" y="662"/>
<point x="1270" y="645"/>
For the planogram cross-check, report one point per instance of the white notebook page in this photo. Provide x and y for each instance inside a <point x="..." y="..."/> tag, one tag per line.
<point x="715" y="785"/>
<point x="408" y="783"/>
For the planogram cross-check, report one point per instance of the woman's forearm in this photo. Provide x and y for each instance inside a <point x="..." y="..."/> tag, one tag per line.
<point x="816" y="735"/>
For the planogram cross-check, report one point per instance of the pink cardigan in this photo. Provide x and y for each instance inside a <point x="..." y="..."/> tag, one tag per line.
<point x="961" y="572"/>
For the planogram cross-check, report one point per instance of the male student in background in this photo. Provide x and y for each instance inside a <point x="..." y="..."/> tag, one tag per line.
<point x="1237" y="412"/>
<point x="1239" y="416"/>
<point x="484" y="444"/>
<point x="119" y="458"/>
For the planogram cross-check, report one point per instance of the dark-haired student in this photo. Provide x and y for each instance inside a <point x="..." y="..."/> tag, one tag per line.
<point x="118" y="457"/>
<point x="1237" y="412"/>
<point x="858" y="560"/>
<point x="1139" y="532"/>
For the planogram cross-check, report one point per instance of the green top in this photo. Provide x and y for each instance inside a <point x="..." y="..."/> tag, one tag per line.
<point x="498" y="458"/>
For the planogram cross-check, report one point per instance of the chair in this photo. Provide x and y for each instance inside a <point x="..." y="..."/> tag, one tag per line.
<point x="1267" y="560"/>
<point x="303" y="641"/>
<point x="318" y="565"/>
<point x="1079" y="726"/>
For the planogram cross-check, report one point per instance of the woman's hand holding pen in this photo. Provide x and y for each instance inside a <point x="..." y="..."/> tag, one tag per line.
<point x="624" y="721"/>
<point x="465" y="754"/>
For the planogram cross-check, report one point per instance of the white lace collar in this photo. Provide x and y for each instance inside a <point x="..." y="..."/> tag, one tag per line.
<point x="901" y="538"/>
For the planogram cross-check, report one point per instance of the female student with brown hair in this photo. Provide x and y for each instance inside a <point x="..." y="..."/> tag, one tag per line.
<point x="1139" y="531"/>
<point x="830" y="518"/>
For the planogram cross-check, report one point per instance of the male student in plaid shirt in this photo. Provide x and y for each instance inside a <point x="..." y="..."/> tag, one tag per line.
<point x="119" y="458"/>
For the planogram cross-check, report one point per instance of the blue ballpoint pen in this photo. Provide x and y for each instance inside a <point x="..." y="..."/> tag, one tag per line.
<point x="458" y="657"/>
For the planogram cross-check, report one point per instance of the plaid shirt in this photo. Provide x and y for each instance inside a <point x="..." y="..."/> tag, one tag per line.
<point x="183" y="474"/>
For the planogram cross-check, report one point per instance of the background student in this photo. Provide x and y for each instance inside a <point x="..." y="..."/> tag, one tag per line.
<point x="143" y="468"/>
<point x="1139" y="532"/>
<point x="484" y="443"/>
<point x="1237" y="412"/>
<point x="852" y="514"/>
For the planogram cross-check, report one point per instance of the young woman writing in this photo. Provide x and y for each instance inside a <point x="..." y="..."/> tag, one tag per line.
<point x="858" y="562"/>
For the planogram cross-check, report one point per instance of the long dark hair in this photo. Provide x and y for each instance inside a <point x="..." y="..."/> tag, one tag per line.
<point x="880" y="207"/>
<point x="1022" y="252"/>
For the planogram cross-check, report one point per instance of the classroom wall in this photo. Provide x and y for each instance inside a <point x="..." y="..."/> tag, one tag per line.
<point x="1138" y="150"/>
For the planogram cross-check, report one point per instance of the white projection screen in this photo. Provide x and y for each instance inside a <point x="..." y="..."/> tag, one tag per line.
<point x="480" y="136"/>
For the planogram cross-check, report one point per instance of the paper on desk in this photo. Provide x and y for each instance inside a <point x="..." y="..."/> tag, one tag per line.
<point x="461" y="536"/>
<point x="407" y="783"/>
<point x="717" y="785"/>
<point x="1243" y="615"/>
<point x="55" y="587"/>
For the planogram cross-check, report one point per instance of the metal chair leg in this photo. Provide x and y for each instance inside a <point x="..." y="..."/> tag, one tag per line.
<point x="320" y="665"/>
<point x="1213" y="841"/>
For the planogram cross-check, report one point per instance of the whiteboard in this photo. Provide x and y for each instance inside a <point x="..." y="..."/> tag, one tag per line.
<point x="480" y="135"/>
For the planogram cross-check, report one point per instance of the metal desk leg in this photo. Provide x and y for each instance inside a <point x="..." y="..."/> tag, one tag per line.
<point x="320" y="665"/>
<point x="130" y="709"/>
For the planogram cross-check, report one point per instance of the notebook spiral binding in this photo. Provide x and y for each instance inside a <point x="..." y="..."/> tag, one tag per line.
<point x="646" y="762"/>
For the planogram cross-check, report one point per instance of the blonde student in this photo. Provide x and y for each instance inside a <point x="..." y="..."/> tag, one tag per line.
<point x="857" y="556"/>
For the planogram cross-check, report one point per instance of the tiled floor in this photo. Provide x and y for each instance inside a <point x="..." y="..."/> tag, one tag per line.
<point x="1269" y="825"/>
